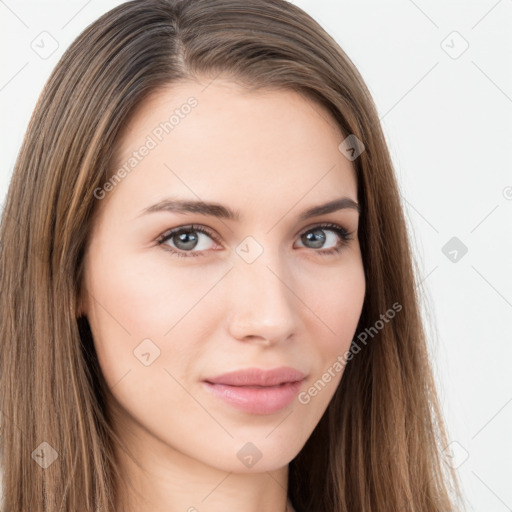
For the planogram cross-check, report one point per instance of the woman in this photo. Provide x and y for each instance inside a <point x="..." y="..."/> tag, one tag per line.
<point x="208" y="295"/>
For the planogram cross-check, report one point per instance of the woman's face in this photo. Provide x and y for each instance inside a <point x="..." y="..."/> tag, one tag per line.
<point x="263" y="289"/>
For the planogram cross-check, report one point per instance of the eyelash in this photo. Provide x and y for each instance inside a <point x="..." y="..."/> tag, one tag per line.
<point x="340" y="231"/>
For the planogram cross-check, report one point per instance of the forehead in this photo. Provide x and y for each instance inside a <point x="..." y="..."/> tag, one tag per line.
<point x="215" y="139"/>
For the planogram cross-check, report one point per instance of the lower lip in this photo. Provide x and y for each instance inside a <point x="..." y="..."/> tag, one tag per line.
<point x="256" y="400"/>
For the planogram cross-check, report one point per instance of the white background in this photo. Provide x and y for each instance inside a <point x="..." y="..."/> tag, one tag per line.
<point x="447" y="119"/>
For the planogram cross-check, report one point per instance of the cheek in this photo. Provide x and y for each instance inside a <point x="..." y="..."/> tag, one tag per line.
<point x="130" y="314"/>
<point x="142" y="294"/>
<point x="338" y="304"/>
<point x="337" y="301"/>
<point x="142" y="311"/>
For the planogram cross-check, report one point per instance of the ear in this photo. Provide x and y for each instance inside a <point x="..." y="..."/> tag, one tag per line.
<point x="81" y="304"/>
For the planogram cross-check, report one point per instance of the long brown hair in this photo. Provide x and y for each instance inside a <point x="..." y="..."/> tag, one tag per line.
<point x="378" y="446"/>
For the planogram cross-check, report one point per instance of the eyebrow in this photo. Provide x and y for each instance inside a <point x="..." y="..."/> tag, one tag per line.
<point x="224" y="212"/>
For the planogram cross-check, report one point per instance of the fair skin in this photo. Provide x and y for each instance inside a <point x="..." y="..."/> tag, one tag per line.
<point x="269" y="155"/>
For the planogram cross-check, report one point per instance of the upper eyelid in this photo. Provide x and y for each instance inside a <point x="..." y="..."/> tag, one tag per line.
<point x="324" y="224"/>
<point x="190" y="227"/>
<point x="208" y="231"/>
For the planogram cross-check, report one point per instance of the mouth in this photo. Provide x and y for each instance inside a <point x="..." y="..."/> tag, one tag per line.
<point x="257" y="391"/>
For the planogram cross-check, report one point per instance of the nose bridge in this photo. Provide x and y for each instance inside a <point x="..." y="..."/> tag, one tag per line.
<point x="262" y="304"/>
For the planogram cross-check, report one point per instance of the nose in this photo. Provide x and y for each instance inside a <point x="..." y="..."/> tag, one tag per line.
<point x="262" y="305"/>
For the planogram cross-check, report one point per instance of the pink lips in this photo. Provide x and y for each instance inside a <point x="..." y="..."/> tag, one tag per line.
<point x="257" y="391"/>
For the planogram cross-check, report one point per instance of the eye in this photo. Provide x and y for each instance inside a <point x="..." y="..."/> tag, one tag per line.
<point x="316" y="236"/>
<point x="187" y="238"/>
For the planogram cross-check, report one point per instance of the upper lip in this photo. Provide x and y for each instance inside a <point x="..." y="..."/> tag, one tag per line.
<point x="258" y="377"/>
